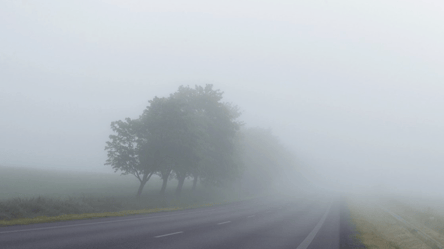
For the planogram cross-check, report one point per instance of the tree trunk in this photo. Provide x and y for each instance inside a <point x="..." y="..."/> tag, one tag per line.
<point x="165" y="182"/>
<point x="180" y="185"/>
<point x="195" y="182"/>
<point x="142" y="184"/>
<point x="164" y="185"/>
<point x="144" y="180"/>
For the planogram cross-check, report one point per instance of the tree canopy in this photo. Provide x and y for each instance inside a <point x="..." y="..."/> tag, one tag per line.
<point x="190" y="133"/>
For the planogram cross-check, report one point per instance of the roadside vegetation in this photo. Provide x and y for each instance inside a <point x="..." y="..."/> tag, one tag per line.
<point x="379" y="229"/>
<point x="185" y="150"/>
<point x="44" y="196"/>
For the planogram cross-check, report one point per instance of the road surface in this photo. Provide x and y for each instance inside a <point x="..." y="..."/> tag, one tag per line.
<point x="261" y="223"/>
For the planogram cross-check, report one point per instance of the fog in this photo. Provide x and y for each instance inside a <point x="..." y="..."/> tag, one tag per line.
<point x="353" y="88"/>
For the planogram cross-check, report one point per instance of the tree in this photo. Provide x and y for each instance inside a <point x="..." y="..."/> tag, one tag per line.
<point x="215" y="126"/>
<point x="173" y="128"/>
<point x="127" y="151"/>
<point x="143" y="147"/>
<point x="165" y="174"/>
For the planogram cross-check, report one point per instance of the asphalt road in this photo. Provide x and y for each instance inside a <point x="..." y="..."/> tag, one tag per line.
<point x="262" y="223"/>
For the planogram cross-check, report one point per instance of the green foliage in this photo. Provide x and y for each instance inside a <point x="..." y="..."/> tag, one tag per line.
<point x="191" y="133"/>
<point x="215" y="127"/>
<point x="123" y="148"/>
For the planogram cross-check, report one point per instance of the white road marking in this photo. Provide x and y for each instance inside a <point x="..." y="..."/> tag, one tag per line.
<point x="225" y="222"/>
<point x="168" y="234"/>
<point x="313" y="233"/>
<point x="251" y="216"/>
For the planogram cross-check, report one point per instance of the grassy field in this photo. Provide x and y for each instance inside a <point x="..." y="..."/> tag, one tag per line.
<point x="379" y="229"/>
<point x="18" y="182"/>
<point x="34" y="194"/>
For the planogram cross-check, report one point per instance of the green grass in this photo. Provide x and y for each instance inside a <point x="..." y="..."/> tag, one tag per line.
<point x="33" y="196"/>
<point x="65" y="217"/>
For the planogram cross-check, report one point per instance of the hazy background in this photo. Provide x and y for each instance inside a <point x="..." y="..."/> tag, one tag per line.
<point x="354" y="88"/>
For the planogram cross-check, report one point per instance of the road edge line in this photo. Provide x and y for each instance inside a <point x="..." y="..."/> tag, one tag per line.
<point x="307" y="241"/>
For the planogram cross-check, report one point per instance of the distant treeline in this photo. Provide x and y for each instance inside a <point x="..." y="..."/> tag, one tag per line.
<point x="192" y="133"/>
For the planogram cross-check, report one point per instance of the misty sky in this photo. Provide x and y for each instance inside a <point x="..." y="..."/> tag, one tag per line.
<point x="354" y="88"/>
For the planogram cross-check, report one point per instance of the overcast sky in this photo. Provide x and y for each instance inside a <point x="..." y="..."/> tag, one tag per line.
<point x="354" y="88"/>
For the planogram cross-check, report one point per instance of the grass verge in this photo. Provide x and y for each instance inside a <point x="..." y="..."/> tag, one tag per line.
<point x="66" y="217"/>
<point x="377" y="229"/>
<point x="42" y="209"/>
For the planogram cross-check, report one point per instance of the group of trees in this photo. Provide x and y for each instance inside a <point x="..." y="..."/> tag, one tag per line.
<point x="190" y="133"/>
<point x="193" y="134"/>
